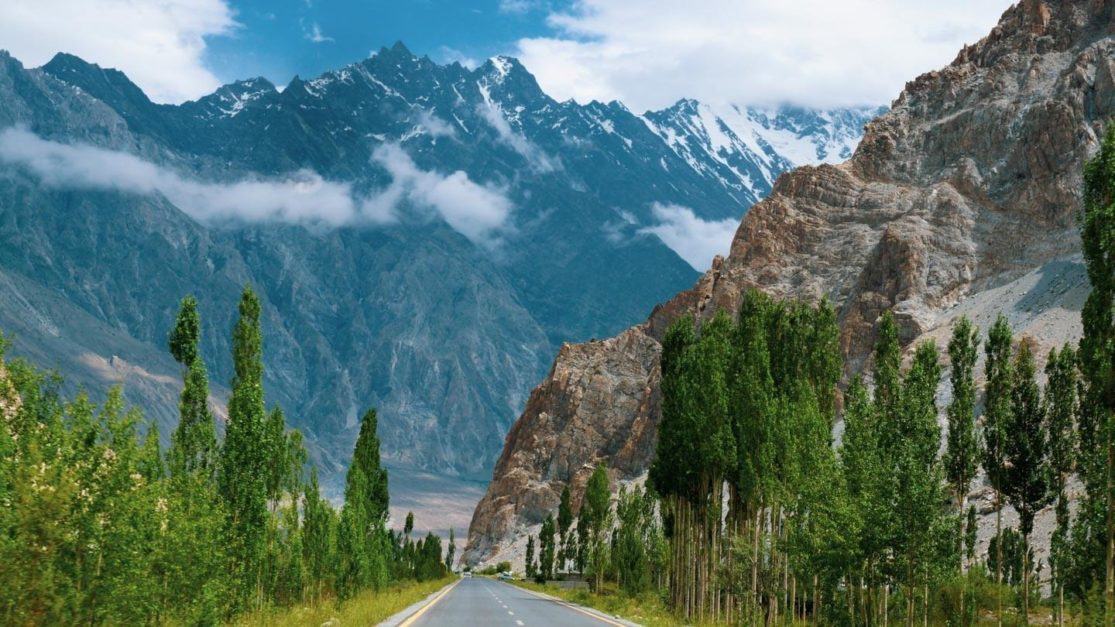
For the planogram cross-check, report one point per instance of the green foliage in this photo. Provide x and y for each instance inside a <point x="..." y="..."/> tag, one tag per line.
<point x="1097" y="357"/>
<point x="528" y="561"/>
<point x="639" y="549"/>
<point x="962" y="449"/>
<point x="546" y="550"/>
<point x="244" y="456"/>
<point x="184" y="338"/>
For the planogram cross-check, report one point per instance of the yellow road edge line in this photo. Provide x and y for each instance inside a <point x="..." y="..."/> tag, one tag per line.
<point x="422" y="610"/>
<point x="572" y="606"/>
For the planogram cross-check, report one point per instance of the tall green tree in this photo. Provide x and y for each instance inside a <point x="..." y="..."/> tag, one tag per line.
<point x="1061" y="407"/>
<point x="528" y="559"/>
<point x="1028" y="480"/>
<point x="917" y="473"/>
<point x="1097" y="346"/>
<point x="962" y="445"/>
<point x="597" y="499"/>
<point x="186" y="334"/>
<point x="997" y="416"/>
<point x="194" y="441"/>
<point x="547" y="550"/>
<point x="362" y="538"/>
<point x="564" y="523"/>
<point x="244" y="454"/>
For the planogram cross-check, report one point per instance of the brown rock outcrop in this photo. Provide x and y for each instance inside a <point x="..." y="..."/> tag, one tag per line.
<point x="971" y="181"/>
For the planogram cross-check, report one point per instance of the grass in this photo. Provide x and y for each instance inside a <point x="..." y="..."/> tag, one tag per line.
<point x="646" y="609"/>
<point x="367" y="608"/>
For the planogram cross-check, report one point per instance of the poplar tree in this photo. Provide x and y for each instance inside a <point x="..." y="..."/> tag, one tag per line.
<point x="1028" y="482"/>
<point x="318" y="537"/>
<point x="528" y="559"/>
<point x="1097" y="348"/>
<point x="962" y="446"/>
<point x="451" y="551"/>
<point x="962" y="449"/>
<point x="597" y="499"/>
<point x="362" y="540"/>
<point x="1061" y="407"/>
<point x="244" y="454"/>
<point x="546" y="552"/>
<point x="564" y="522"/>
<point x="194" y="441"/>
<point x="997" y="415"/>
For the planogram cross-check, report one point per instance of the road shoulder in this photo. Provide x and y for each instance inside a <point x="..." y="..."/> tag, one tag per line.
<point x="606" y="619"/>
<point x="407" y="616"/>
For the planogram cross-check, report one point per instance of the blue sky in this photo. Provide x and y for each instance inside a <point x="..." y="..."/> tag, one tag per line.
<point x="645" y="53"/>
<point x="307" y="37"/>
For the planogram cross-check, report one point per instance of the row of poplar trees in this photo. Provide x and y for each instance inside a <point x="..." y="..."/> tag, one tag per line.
<point x="99" y="526"/>
<point x="768" y="519"/>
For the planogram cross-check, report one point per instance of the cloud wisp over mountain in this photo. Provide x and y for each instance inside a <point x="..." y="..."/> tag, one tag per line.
<point x="479" y="212"/>
<point x="695" y="240"/>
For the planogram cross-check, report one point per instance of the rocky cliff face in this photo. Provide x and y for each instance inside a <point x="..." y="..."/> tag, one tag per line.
<point x="961" y="197"/>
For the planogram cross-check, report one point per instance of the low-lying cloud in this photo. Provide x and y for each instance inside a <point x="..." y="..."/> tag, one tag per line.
<point x="695" y="240"/>
<point x="535" y="156"/>
<point x="478" y="212"/>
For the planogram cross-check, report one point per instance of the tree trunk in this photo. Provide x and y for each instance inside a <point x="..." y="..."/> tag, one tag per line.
<point x="1026" y="579"/>
<point x="998" y="557"/>
<point x="1109" y="592"/>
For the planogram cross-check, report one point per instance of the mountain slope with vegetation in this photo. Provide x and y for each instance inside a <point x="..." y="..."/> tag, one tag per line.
<point x="972" y="181"/>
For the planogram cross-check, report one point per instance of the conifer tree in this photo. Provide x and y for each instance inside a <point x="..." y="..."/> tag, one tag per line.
<point x="1028" y="482"/>
<point x="244" y="454"/>
<point x="1097" y="348"/>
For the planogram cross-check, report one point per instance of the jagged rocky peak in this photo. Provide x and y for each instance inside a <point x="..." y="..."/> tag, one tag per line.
<point x="232" y="99"/>
<point x="958" y="199"/>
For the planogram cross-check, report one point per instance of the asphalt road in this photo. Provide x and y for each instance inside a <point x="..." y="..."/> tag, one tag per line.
<point x="478" y="601"/>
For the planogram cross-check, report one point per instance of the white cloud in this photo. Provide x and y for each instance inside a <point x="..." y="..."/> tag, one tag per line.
<point x="315" y="35"/>
<point x="434" y="125"/>
<point x="650" y="53"/>
<point x="538" y="159"/>
<point x="447" y="55"/>
<point x="159" y="44"/>
<point x="695" y="240"/>
<point x="478" y="212"/>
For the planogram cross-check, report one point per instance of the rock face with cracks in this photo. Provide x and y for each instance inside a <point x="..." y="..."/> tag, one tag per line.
<point x="962" y="197"/>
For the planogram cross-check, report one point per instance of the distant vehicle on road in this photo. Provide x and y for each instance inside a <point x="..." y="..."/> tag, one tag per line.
<point x="506" y="576"/>
<point x="466" y="574"/>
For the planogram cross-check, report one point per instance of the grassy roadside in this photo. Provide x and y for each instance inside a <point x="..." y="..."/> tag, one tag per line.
<point x="647" y="609"/>
<point x="366" y="608"/>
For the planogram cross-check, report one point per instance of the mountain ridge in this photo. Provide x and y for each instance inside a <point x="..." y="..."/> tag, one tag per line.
<point x="444" y="335"/>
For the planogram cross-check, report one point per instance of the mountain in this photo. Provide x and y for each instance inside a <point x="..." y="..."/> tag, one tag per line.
<point x="961" y="199"/>
<point x="423" y="236"/>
